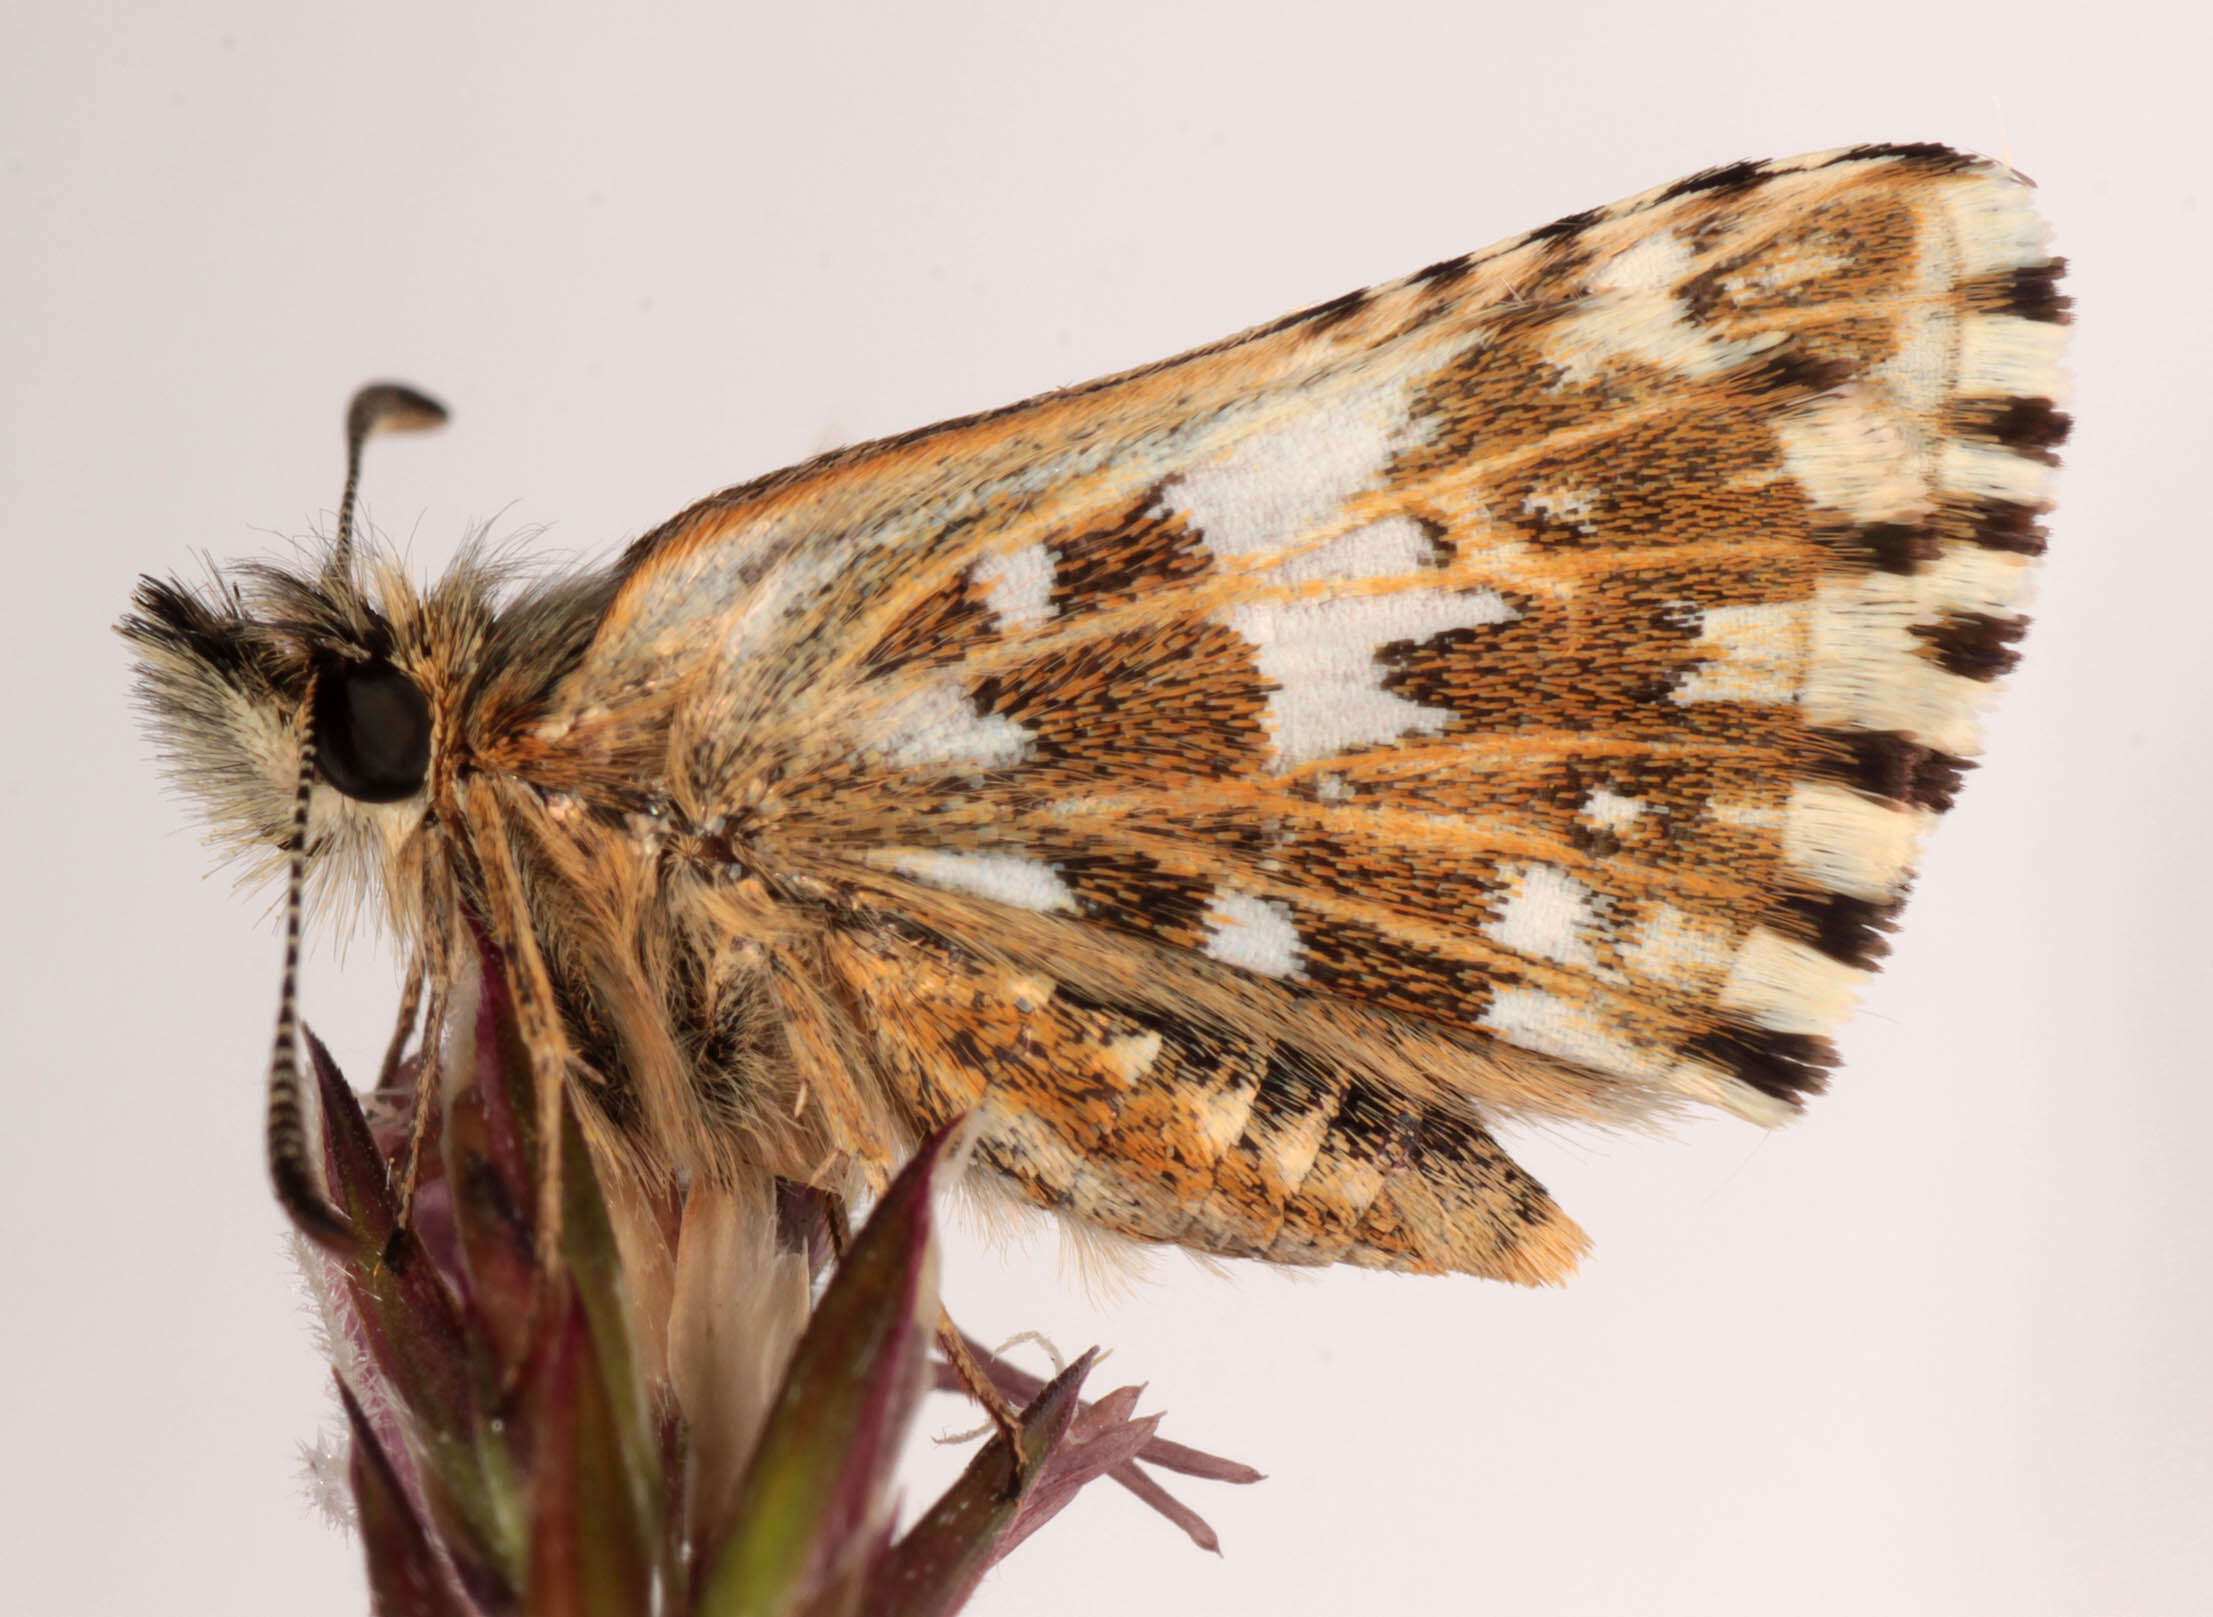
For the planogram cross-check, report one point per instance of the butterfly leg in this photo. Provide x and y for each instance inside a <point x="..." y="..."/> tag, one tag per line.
<point x="978" y="1380"/>
<point x="411" y="1001"/>
<point x="531" y="986"/>
<point x="950" y="1341"/>
<point x="429" y="1070"/>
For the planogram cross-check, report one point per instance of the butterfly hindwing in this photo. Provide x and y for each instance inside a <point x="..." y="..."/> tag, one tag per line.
<point x="1172" y="1125"/>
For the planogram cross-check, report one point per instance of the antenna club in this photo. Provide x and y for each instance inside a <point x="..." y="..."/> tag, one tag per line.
<point x="379" y="407"/>
<point x="391" y="407"/>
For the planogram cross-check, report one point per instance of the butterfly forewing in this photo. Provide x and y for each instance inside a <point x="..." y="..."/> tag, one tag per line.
<point x="1522" y="687"/>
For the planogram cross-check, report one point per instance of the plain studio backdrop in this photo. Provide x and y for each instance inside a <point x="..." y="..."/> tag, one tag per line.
<point x="1940" y="1348"/>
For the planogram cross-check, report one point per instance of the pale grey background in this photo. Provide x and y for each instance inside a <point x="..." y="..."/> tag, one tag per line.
<point x="1941" y="1349"/>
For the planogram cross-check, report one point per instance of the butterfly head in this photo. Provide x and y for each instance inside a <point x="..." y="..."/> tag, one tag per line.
<point x="300" y="704"/>
<point x="258" y="671"/>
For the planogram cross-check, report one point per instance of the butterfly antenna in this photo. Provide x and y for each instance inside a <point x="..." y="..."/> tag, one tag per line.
<point x="379" y="407"/>
<point x="291" y="1166"/>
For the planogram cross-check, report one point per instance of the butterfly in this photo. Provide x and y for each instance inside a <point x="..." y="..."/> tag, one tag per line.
<point x="1517" y="691"/>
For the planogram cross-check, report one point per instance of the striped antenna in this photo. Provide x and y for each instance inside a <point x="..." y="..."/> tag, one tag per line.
<point x="379" y="407"/>
<point x="291" y="1155"/>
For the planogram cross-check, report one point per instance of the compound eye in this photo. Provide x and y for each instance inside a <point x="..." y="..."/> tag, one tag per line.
<point x="372" y="731"/>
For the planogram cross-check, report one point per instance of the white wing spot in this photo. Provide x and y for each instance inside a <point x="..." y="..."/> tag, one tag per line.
<point x="1674" y="946"/>
<point x="1218" y="1115"/>
<point x="1849" y="452"/>
<point x="1005" y="878"/>
<point x="1610" y="811"/>
<point x="1752" y="654"/>
<point x="1254" y="933"/>
<point x="1018" y="587"/>
<point x="939" y="725"/>
<point x="1130" y="1057"/>
<point x="1547" y="915"/>
<point x="1278" y="485"/>
<point x="1290" y="1146"/>
<point x="1320" y="656"/>
<point x="1274" y="492"/>
<point x="1539" y="1020"/>
<point x="1633" y="316"/>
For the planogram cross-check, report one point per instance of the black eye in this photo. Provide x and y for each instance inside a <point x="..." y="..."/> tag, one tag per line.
<point x="372" y="731"/>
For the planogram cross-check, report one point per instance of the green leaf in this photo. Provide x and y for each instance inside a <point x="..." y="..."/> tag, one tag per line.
<point x="591" y="1554"/>
<point x="815" y="1501"/>
<point x="405" y="1577"/>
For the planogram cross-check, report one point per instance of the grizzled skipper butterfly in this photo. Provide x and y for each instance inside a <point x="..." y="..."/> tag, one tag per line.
<point x="1517" y="690"/>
